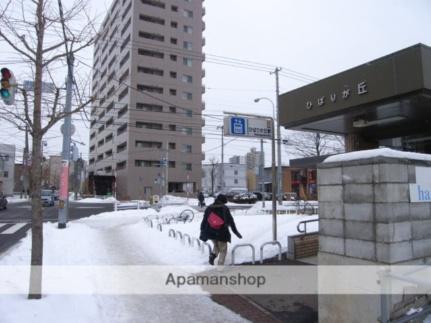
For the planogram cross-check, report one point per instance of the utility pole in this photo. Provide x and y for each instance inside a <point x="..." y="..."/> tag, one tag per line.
<point x="63" y="211"/>
<point x="279" y="168"/>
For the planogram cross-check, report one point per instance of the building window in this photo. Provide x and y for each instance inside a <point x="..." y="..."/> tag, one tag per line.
<point x="154" y="3"/>
<point x="125" y="42"/>
<point x="172" y="127"/>
<point x="187" y="96"/>
<point x="148" y="70"/>
<point x="110" y="121"/>
<point x="235" y="181"/>
<point x="186" y="148"/>
<point x="174" y="8"/>
<point x="99" y="157"/>
<point x="108" y="153"/>
<point x="187" y="61"/>
<point x="174" y="24"/>
<point x="149" y="125"/>
<point x="123" y="77"/>
<point x="171" y="164"/>
<point x="172" y="109"/>
<point x="172" y="145"/>
<point x="187" y="29"/>
<point x="122" y="147"/>
<point x="100" y="143"/>
<point x="174" y="41"/>
<point x="188" y="13"/>
<point x="154" y="20"/>
<point x="172" y="92"/>
<point x="173" y="75"/>
<point x="187" y="45"/>
<point x="151" y="53"/>
<point x="123" y="94"/>
<point x="92" y="148"/>
<point x="150" y="88"/>
<point x="122" y="129"/>
<point x="149" y="107"/>
<point x="121" y="165"/>
<point x="101" y="128"/>
<point x="187" y="166"/>
<point x="152" y="36"/>
<point x="189" y="113"/>
<point x="173" y="58"/>
<point x="108" y="137"/>
<point x="123" y="111"/>
<point x="124" y="59"/>
<point x="187" y="131"/>
<point x="187" y="79"/>
<point x="148" y="144"/>
<point x="126" y="26"/>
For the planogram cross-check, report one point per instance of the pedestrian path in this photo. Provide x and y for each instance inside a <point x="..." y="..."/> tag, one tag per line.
<point x="12" y="228"/>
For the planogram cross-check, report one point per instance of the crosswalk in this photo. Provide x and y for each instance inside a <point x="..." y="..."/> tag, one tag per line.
<point x="12" y="228"/>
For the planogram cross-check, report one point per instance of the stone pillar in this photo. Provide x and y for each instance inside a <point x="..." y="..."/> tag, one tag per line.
<point x="366" y="218"/>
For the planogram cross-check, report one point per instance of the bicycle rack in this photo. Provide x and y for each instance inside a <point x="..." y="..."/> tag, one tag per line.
<point x="159" y="227"/>
<point x="243" y="245"/>
<point x="198" y="242"/>
<point x="209" y="247"/>
<point x="270" y="243"/>
<point x="172" y="233"/>
<point x="305" y="225"/>
<point x="188" y="238"/>
<point x="179" y="234"/>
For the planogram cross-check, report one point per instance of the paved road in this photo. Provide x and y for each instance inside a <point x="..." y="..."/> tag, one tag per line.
<point x="15" y="221"/>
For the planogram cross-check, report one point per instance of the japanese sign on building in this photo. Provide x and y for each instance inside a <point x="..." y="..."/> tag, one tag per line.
<point x="345" y="94"/>
<point x="247" y="127"/>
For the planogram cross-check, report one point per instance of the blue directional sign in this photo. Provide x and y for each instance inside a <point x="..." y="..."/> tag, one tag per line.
<point x="238" y="126"/>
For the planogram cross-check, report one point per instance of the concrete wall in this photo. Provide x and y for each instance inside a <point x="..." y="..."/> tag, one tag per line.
<point x="366" y="218"/>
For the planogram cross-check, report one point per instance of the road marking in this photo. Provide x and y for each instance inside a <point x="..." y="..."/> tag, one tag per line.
<point x="3" y="225"/>
<point x="14" y="228"/>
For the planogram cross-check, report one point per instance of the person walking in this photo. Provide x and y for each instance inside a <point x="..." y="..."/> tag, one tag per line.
<point x="215" y="227"/>
<point x="201" y="199"/>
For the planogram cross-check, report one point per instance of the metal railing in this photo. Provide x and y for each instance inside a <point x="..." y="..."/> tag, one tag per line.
<point x="240" y="246"/>
<point x="276" y="243"/>
<point x="304" y="231"/>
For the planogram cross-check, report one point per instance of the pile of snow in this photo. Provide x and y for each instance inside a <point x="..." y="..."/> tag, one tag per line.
<point x="97" y="200"/>
<point x="381" y="152"/>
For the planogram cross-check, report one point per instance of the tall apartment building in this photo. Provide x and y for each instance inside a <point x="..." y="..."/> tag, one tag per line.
<point x="146" y="125"/>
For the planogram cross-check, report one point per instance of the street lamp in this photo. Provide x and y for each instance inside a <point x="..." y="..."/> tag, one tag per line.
<point x="279" y="172"/>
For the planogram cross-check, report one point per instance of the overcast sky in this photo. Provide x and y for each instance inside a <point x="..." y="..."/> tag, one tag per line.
<point x="313" y="38"/>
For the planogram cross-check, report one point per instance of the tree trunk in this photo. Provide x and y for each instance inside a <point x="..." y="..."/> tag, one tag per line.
<point x="35" y="288"/>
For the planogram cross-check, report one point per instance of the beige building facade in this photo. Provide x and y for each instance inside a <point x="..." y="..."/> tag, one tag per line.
<point x="146" y="123"/>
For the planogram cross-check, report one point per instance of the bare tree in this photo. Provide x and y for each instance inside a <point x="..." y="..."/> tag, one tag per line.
<point x="33" y="29"/>
<point x="308" y="144"/>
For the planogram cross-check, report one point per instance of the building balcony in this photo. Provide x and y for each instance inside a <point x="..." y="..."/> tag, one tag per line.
<point x="203" y="11"/>
<point x="203" y="139"/>
<point x="203" y="25"/>
<point x="203" y="89"/>
<point x="203" y="122"/>
<point x="203" y="72"/>
<point x="203" y="41"/>
<point x="203" y="156"/>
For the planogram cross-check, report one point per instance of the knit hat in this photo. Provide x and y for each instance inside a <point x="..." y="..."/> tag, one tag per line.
<point x="221" y="199"/>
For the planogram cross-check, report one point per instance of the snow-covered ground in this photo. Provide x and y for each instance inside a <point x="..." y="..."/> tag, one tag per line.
<point x="125" y="238"/>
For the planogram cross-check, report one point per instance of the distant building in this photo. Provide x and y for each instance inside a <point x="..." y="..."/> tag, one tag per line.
<point x="7" y="168"/>
<point x="234" y="178"/>
<point x="237" y="160"/>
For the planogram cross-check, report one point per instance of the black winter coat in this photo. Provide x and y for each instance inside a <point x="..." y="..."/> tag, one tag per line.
<point x="223" y="233"/>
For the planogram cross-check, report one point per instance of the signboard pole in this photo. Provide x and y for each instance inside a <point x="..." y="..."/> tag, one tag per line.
<point x="256" y="126"/>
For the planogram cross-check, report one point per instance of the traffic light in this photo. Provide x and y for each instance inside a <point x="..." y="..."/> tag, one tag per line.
<point x="8" y="85"/>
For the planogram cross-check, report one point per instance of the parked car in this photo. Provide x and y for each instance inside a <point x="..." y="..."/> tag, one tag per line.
<point x="3" y="202"/>
<point x="290" y="196"/>
<point x="266" y="196"/>
<point x="248" y="197"/>
<point x="47" y="197"/>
